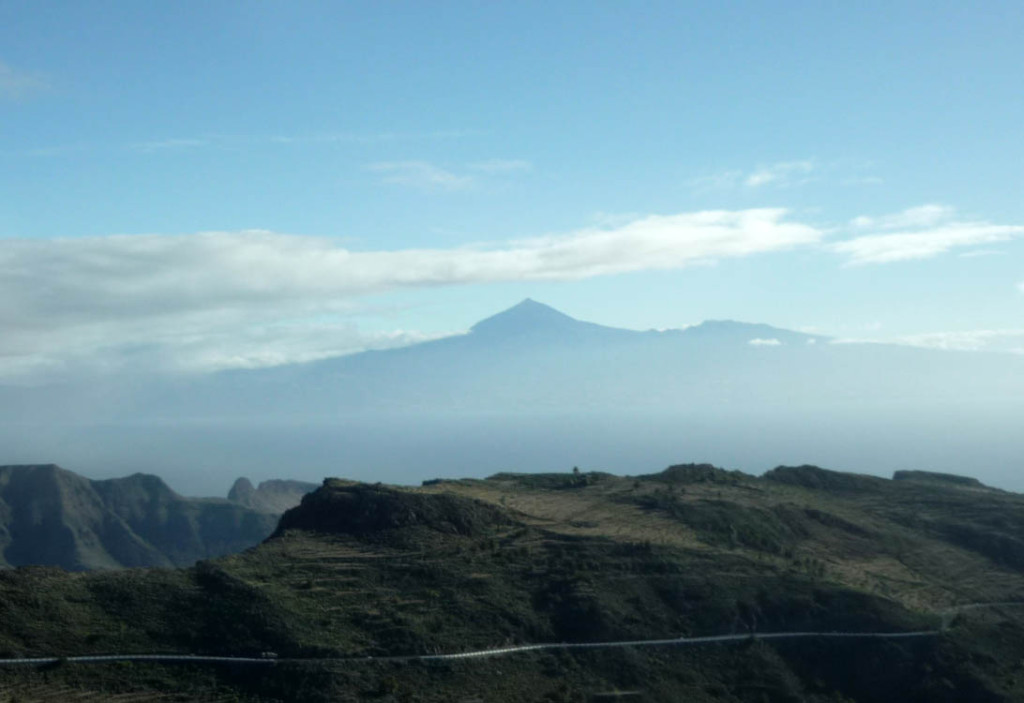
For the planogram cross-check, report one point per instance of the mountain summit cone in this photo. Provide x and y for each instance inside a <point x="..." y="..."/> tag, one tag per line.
<point x="527" y="316"/>
<point x="532" y="319"/>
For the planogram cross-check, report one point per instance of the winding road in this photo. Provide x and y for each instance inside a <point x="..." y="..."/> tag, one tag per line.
<point x="473" y="654"/>
<point x="504" y="651"/>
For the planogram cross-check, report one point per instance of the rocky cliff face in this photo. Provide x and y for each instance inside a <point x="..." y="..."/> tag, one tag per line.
<point x="385" y="514"/>
<point x="273" y="496"/>
<point x="54" y="517"/>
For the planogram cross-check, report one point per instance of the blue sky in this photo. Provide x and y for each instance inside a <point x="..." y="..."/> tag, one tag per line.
<point x="203" y="185"/>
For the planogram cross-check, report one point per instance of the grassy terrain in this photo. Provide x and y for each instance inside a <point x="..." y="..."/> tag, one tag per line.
<point x="456" y="565"/>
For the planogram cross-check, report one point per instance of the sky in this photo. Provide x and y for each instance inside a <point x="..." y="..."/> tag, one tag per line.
<point x="194" y="186"/>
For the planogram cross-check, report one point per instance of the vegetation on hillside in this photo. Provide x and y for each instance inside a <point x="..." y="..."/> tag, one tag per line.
<point x="370" y="571"/>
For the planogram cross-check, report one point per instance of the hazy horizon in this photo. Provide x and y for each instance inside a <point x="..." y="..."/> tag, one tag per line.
<point x="531" y="389"/>
<point x="205" y="459"/>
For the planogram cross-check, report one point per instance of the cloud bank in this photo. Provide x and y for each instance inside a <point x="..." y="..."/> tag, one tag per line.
<point x="1011" y="340"/>
<point x="919" y="233"/>
<point x="999" y="340"/>
<point x="217" y="300"/>
<point x="920" y="216"/>
<point x="190" y="300"/>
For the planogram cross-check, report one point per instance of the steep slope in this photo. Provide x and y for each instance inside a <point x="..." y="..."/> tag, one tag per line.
<point x="55" y="517"/>
<point x="52" y="516"/>
<point x="274" y="496"/>
<point x="370" y="571"/>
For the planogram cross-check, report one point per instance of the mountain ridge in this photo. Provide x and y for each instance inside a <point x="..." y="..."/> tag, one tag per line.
<point x="375" y="576"/>
<point x="51" y="516"/>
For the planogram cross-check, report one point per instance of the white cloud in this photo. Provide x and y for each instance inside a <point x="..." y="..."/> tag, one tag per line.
<point x="166" y="294"/>
<point x="765" y="342"/>
<point x="920" y="216"/>
<point x="971" y="340"/>
<point x="785" y="173"/>
<point x="262" y="345"/>
<point x="904" y="246"/>
<point x="420" y="174"/>
<point x="919" y="233"/>
<point x="788" y="174"/>
<point x="1000" y="340"/>
<point x="855" y="340"/>
<point x="15" y="84"/>
<point x="781" y="175"/>
<point x="614" y="219"/>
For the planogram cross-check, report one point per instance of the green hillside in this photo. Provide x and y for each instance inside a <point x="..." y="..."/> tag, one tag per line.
<point x="371" y="571"/>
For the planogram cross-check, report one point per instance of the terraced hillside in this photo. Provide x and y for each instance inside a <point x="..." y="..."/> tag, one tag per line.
<point x="358" y="573"/>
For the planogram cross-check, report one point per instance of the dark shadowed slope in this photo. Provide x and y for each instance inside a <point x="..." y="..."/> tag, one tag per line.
<point x="54" y="517"/>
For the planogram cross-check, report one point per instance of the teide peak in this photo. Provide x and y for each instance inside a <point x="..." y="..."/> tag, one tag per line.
<point x="534" y="359"/>
<point x="536" y="320"/>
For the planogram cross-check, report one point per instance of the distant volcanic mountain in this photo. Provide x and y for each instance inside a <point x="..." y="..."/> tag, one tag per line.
<point x="532" y="357"/>
<point x="528" y="357"/>
<point x="532" y="387"/>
